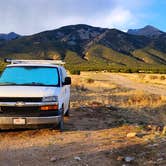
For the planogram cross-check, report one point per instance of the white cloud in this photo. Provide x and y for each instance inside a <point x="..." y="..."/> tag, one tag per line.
<point x="119" y="17"/>
<point x="31" y="16"/>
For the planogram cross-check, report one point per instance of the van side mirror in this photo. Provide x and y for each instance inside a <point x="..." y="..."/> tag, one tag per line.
<point x="7" y="60"/>
<point x="67" y="81"/>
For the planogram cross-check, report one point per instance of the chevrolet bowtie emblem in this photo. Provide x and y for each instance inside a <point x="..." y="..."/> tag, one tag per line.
<point x="20" y="104"/>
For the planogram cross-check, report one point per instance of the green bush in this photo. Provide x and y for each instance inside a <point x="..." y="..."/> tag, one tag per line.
<point x="90" y="80"/>
<point x="2" y="66"/>
<point x="75" y="72"/>
<point x="153" y="77"/>
<point x="162" y="77"/>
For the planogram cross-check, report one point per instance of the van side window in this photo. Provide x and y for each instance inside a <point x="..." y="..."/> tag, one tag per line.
<point x="63" y="74"/>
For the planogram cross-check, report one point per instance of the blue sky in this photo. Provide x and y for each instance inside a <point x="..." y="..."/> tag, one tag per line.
<point x="32" y="16"/>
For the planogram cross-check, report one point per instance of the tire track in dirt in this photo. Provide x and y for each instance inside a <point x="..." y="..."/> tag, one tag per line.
<point x="128" y="83"/>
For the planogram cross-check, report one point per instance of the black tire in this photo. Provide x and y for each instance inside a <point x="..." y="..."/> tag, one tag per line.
<point x="67" y="114"/>
<point x="61" y="123"/>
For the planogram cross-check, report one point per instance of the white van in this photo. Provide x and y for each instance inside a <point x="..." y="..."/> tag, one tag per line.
<point x="34" y="92"/>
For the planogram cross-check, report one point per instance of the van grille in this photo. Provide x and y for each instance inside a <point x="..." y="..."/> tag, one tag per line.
<point x="17" y="99"/>
<point x="7" y="111"/>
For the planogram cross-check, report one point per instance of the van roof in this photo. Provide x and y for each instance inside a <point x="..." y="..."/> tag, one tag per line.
<point x="32" y="64"/>
<point x="20" y="61"/>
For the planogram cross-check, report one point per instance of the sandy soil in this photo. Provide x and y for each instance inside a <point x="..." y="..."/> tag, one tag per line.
<point x="95" y="134"/>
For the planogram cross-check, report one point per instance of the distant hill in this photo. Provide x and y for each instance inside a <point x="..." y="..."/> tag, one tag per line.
<point x="91" y="48"/>
<point x="9" y="36"/>
<point x="148" y="31"/>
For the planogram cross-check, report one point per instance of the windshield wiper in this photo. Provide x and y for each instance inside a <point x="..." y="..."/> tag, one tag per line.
<point x="32" y="83"/>
<point x="7" y="83"/>
<point x="24" y="84"/>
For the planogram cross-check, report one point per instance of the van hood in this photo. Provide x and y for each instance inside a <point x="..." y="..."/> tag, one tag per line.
<point x="28" y="91"/>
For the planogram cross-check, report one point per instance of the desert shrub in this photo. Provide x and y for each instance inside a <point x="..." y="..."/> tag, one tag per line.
<point x="140" y="99"/>
<point x="2" y="66"/>
<point x="142" y="76"/>
<point x="75" y="72"/>
<point x="126" y="70"/>
<point x="90" y="80"/>
<point x="153" y="77"/>
<point x="162" y="77"/>
<point x="80" y="88"/>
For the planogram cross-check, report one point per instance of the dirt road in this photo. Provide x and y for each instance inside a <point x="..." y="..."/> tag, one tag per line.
<point x="129" y="83"/>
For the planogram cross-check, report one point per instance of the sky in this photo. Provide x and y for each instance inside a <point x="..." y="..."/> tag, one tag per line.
<point x="32" y="16"/>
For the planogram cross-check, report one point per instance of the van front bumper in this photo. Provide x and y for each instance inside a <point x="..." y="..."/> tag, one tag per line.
<point x="28" y="121"/>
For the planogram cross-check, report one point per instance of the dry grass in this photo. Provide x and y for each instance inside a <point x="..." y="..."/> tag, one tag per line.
<point x="114" y="94"/>
<point x="105" y="93"/>
<point x="158" y="79"/>
<point x="138" y="99"/>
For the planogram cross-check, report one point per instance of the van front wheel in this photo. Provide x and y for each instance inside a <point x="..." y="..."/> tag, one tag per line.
<point x="61" y="122"/>
<point x="68" y="111"/>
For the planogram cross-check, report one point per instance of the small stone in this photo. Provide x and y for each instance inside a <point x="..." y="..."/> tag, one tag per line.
<point x="108" y="106"/>
<point x="120" y="158"/>
<point x="140" y="135"/>
<point x="53" y="159"/>
<point x="129" y="159"/>
<point x="160" y="159"/>
<point x="152" y="145"/>
<point x="149" y="127"/>
<point x="130" y="135"/>
<point x="77" y="158"/>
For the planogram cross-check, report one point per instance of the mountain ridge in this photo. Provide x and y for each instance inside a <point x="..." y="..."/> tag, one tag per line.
<point x="9" y="36"/>
<point x="87" y="47"/>
<point x="148" y="31"/>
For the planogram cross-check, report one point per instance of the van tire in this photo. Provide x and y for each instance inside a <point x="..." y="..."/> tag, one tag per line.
<point x="67" y="114"/>
<point x="61" y="122"/>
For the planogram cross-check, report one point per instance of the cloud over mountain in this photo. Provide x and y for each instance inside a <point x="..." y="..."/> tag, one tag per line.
<point x="27" y="17"/>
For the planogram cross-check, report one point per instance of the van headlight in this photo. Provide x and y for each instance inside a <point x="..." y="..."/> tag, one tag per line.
<point x="50" y="99"/>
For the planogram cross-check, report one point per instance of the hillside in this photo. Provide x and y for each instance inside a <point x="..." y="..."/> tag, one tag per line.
<point x="91" y="48"/>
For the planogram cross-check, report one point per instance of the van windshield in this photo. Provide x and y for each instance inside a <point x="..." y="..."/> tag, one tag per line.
<point x="30" y="76"/>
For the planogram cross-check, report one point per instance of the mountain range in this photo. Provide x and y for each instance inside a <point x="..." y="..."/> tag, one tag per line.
<point x="91" y="48"/>
<point x="9" y="36"/>
<point x="148" y="31"/>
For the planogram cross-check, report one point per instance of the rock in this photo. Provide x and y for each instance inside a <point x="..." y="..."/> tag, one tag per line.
<point x="108" y="106"/>
<point x="153" y="145"/>
<point x="158" y="128"/>
<point x="140" y="135"/>
<point x="77" y="158"/>
<point x="120" y="158"/>
<point x="153" y="128"/>
<point x="53" y="159"/>
<point x="160" y="159"/>
<point x="131" y="135"/>
<point x="129" y="159"/>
